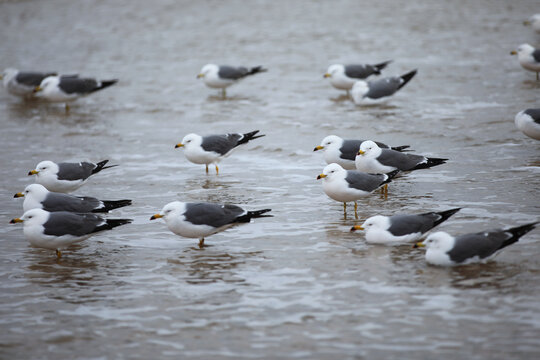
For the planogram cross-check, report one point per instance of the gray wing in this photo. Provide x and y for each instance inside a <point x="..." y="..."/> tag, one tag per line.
<point x="360" y="71"/>
<point x="536" y="55"/>
<point x="75" y="85"/>
<point x="220" y="144"/>
<point x="363" y="181"/>
<point x="350" y="148"/>
<point x="67" y="223"/>
<point x="481" y="244"/>
<point x="64" y="202"/>
<point x="409" y="224"/>
<point x="534" y="113"/>
<point x="214" y="215"/>
<point x="232" y="73"/>
<point x="383" y="87"/>
<point x="31" y="78"/>
<point x="75" y="171"/>
<point x="399" y="160"/>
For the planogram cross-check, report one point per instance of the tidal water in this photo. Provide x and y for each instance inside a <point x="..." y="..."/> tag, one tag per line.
<point x="298" y="285"/>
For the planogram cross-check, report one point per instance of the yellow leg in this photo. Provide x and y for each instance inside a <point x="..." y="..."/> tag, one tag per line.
<point x="58" y="254"/>
<point x="224" y="92"/>
<point x="201" y="243"/>
<point x="217" y="169"/>
<point x="207" y="168"/>
<point x="355" y="210"/>
<point x="67" y="107"/>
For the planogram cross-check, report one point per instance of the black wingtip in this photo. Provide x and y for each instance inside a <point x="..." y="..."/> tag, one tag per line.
<point x="382" y="65"/>
<point x="109" y="205"/>
<point x="407" y="77"/>
<point x="256" y="69"/>
<point x="517" y="232"/>
<point x="401" y="148"/>
<point x="391" y="175"/>
<point x="445" y="215"/>
<point x="101" y="165"/>
<point x="249" y="136"/>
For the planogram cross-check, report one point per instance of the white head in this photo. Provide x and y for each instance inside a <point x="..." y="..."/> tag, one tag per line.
<point x="335" y="70"/>
<point x="45" y="168"/>
<point x="369" y="149"/>
<point x="331" y="172"/>
<point x="359" y="89"/>
<point x="439" y="241"/>
<point x="33" y="194"/>
<point x="525" y="50"/>
<point x="34" y="217"/>
<point x="330" y="141"/>
<point x="208" y="69"/>
<point x="48" y="84"/>
<point x="171" y="211"/>
<point x="190" y="140"/>
<point x="376" y="222"/>
<point x="8" y="75"/>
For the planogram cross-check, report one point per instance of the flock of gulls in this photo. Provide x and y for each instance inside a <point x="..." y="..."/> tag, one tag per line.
<point x="54" y="219"/>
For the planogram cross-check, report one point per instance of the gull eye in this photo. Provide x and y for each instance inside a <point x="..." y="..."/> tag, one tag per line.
<point x="29" y="216"/>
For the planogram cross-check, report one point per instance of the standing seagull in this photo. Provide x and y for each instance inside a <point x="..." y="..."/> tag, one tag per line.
<point x="343" y="152"/>
<point x="223" y="76"/>
<point x="57" y="230"/>
<point x="36" y="196"/>
<point x="445" y="250"/>
<point x="343" y="77"/>
<point x="401" y="228"/>
<point x="66" y="177"/>
<point x="528" y="121"/>
<point x="213" y="148"/>
<point x="22" y="83"/>
<point x="529" y="58"/>
<point x="372" y="159"/>
<point x="368" y="91"/>
<point x="198" y="220"/>
<point x="350" y="185"/>
<point x="69" y="88"/>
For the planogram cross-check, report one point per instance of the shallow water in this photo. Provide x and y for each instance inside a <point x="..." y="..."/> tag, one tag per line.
<point x="297" y="285"/>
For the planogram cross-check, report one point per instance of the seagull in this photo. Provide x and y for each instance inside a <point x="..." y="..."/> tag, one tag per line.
<point x="213" y="148"/>
<point x="401" y="228"/>
<point x="69" y="88"/>
<point x="223" y="76"/>
<point x="199" y="220"/>
<point x="22" y="83"/>
<point x="528" y="121"/>
<point x="350" y="185"/>
<point x="529" y="58"/>
<point x="343" y="152"/>
<point x="343" y="77"/>
<point x="36" y="196"/>
<point x="372" y="159"/>
<point x="57" y="230"/>
<point x="66" y="177"/>
<point x="367" y="91"/>
<point x="534" y="21"/>
<point x="446" y="250"/>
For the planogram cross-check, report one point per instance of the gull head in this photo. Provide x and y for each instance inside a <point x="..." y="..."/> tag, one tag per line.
<point x="440" y="241"/>
<point x="330" y="140"/>
<point x="332" y="171"/>
<point x="36" y="191"/>
<point x="208" y="69"/>
<point x="376" y="222"/>
<point x="334" y="70"/>
<point x="523" y="50"/>
<point x="172" y="210"/>
<point x="44" y="168"/>
<point x="369" y="149"/>
<point x="32" y="217"/>
<point x="189" y="140"/>
<point x="47" y="84"/>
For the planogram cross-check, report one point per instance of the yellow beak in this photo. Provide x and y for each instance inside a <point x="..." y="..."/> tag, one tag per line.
<point x="513" y="52"/>
<point x="32" y="172"/>
<point x="16" y="220"/>
<point x="318" y="148"/>
<point x="200" y="76"/>
<point x="156" y="216"/>
<point x="178" y="145"/>
<point x="526" y="22"/>
<point x="361" y="152"/>
<point x="321" y="176"/>
<point x="18" y="195"/>
<point x="37" y="89"/>
<point x="419" y="244"/>
<point x="356" y="227"/>
<point x="327" y="75"/>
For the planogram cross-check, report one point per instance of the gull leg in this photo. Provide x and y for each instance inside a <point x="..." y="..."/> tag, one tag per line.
<point x="223" y="93"/>
<point x="217" y="169"/>
<point x="58" y="254"/>
<point x="207" y="168"/>
<point x="345" y="210"/>
<point x="201" y="243"/>
<point x="355" y="210"/>
<point x="67" y="108"/>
